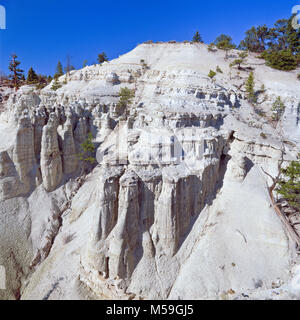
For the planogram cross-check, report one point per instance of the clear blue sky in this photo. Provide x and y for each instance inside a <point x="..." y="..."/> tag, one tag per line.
<point x="41" y="32"/>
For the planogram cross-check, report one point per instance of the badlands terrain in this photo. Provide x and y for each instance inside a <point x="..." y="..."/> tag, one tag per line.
<point x="177" y="204"/>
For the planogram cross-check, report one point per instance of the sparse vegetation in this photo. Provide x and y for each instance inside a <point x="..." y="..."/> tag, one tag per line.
<point x="289" y="186"/>
<point x="278" y="108"/>
<point x="249" y="85"/>
<point x="212" y="74"/>
<point x="263" y="135"/>
<point x="298" y="77"/>
<point x="224" y="42"/>
<point x="212" y="48"/>
<point x="32" y="77"/>
<point x="43" y="81"/>
<point x="56" y="85"/>
<point x="17" y="75"/>
<point x="218" y="69"/>
<point x="88" y="150"/>
<point x="279" y="45"/>
<point x="126" y="96"/>
<point x="102" y="57"/>
<point x="283" y="60"/>
<point x="59" y="70"/>
<point x="144" y="65"/>
<point x="241" y="60"/>
<point x="197" y="37"/>
<point x="85" y="63"/>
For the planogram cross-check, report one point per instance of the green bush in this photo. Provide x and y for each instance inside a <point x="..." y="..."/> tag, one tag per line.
<point x="212" y="74"/>
<point x="298" y="77"/>
<point x="197" y="37"/>
<point x="212" y="48"/>
<point x="249" y="85"/>
<point x="281" y="60"/>
<point x="40" y="86"/>
<point x="126" y="97"/>
<point x="289" y="187"/>
<point x="263" y="135"/>
<point x="278" y="108"/>
<point x="56" y="85"/>
<point x="88" y="150"/>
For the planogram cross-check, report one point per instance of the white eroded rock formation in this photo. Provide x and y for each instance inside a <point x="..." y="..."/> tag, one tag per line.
<point x="177" y="205"/>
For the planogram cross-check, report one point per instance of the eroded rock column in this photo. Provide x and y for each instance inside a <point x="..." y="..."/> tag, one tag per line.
<point x="51" y="163"/>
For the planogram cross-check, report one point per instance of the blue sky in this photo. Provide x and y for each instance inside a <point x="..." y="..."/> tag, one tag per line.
<point x="41" y="32"/>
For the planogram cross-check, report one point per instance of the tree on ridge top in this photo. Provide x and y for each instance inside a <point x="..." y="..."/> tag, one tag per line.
<point x="197" y="37"/>
<point x="17" y="74"/>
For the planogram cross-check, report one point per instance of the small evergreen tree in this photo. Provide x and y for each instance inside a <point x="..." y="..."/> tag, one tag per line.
<point x="243" y="55"/>
<point x="87" y="155"/>
<point x="249" y="85"/>
<point x="278" y="108"/>
<point x="32" y="77"/>
<point x="56" y="85"/>
<point x="59" y="70"/>
<point x="241" y="60"/>
<point x="237" y="62"/>
<point x="126" y="96"/>
<point x="289" y="187"/>
<point x="212" y="74"/>
<point x="102" y="57"/>
<point x="225" y="43"/>
<point x="197" y="37"/>
<point x="17" y="75"/>
<point x="88" y="149"/>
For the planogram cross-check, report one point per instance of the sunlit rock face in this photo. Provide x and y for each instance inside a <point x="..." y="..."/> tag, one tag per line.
<point x="176" y="204"/>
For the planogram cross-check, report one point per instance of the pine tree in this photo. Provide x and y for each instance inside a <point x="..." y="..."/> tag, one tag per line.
<point x="224" y="41"/>
<point x="281" y="60"/>
<point x="87" y="154"/>
<point x="59" y="69"/>
<point x="32" y="77"/>
<point x="17" y="74"/>
<point x="56" y="85"/>
<point x="197" y="37"/>
<point x="250" y="88"/>
<point x="102" y="57"/>
<point x="289" y="187"/>
<point x="126" y="96"/>
<point x="88" y="149"/>
<point x="278" y="108"/>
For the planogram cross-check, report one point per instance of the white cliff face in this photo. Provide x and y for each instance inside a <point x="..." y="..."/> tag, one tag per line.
<point x="177" y="205"/>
